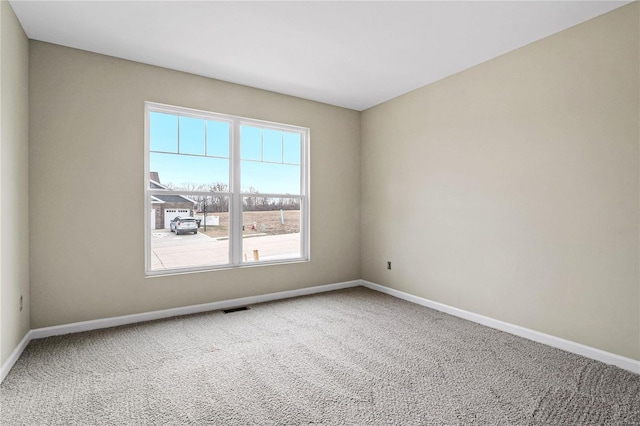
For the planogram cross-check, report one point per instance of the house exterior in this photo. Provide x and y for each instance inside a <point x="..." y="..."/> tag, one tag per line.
<point x="164" y="208"/>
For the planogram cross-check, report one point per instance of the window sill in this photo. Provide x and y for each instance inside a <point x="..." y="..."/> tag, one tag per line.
<point x="227" y="267"/>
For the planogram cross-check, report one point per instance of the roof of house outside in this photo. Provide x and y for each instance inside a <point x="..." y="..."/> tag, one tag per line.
<point x="154" y="183"/>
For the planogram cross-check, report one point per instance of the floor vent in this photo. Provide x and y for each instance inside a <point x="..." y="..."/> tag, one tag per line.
<point x="242" y="308"/>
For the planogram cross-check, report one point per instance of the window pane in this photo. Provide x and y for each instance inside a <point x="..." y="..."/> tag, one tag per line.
<point x="251" y="143"/>
<point x="163" y="132"/>
<point x="291" y="148"/>
<point x="218" y="139"/>
<point x="270" y="177"/>
<point x="272" y="148"/>
<point x="200" y="240"/>
<point x="191" y="136"/>
<point x="271" y="229"/>
<point x="190" y="173"/>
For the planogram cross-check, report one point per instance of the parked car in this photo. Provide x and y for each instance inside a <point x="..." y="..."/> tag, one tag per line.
<point x="182" y="225"/>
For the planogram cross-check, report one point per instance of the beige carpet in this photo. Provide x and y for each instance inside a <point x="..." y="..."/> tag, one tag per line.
<point x="353" y="357"/>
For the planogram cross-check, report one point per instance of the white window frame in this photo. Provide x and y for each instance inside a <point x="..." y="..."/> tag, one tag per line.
<point x="235" y="195"/>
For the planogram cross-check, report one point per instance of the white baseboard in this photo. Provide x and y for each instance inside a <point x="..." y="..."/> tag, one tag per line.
<point x="547" y="339"/>
<point x="8" y="364"/>
<point x="556" y="342"/>
<point x="77" y="327"/>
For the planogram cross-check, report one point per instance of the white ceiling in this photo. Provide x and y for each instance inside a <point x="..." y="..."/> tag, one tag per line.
<point x="350" y="54"/>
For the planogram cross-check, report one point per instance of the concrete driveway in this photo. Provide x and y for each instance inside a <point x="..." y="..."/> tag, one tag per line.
<point x="169" y="251"/>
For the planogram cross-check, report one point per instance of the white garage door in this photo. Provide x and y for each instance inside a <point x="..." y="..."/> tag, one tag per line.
<point x="170" y="214"/>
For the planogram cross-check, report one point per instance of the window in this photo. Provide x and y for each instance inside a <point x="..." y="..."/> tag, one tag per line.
<point x="223" y="191"/>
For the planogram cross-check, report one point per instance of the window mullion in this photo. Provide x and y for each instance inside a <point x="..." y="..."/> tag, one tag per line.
<point x="178" y="136"/>
<point x="236" y="205"/>
<point x="205" y="137"/>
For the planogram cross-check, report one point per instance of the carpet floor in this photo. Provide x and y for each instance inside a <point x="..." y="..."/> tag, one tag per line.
<point x="349" y="357"/>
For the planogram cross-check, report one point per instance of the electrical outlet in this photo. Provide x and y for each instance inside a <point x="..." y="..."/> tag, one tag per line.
<point x="20" y="303"/>
<point x="388" y="265"/>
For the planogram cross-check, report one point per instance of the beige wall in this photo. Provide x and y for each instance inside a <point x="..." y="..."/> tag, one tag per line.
<point x="512" y="189"/>
<point x="86" y="162"/>
<point x="14" y="226"/>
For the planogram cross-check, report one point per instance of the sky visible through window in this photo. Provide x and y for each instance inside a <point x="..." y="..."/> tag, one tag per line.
<point x="190" y="153"/>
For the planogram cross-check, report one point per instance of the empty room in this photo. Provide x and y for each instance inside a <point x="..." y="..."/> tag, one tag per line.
<point x="336" y="213"/>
